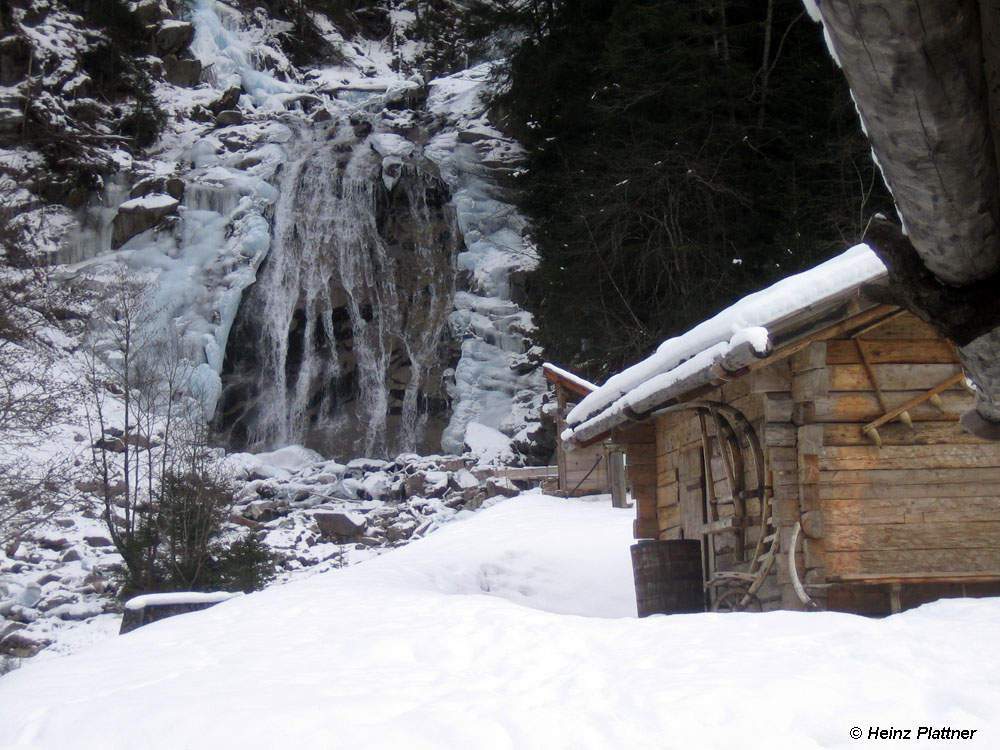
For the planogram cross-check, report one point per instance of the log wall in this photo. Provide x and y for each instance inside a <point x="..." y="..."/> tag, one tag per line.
<point x="682" y="496"/>
<point x="880" y="527"/>
<point x="925" y="504"/>
<point x="584" y="471"/>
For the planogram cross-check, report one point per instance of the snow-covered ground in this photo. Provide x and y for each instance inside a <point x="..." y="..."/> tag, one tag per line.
<point x="514" y="628"/>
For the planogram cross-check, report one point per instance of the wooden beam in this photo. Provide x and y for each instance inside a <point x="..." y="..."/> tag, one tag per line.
<point x="923" y="433"/>
<point x="857" y="457"/>
<point x="892" y="561"/>
<point x="922" y="577"/>
<point x="915" y="536"/>
<point x="862" y="407"/>
<point x="892" y="352"/>
<point x="915" y="401"/>
<point x="889" y="377"/>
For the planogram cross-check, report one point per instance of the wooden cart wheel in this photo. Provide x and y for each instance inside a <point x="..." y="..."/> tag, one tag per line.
<point x="736" y="600"/>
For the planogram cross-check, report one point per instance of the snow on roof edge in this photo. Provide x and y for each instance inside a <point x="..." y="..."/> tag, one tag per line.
<point x="180" y="597"/>
<point x="568" y="376"/>
<point x="827" y="281"/>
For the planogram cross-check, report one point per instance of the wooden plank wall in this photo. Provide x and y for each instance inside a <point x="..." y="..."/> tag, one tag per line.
<point x="575" y="466"/>
<point x="925" y="502"/>
<point x="680" y="489"/>
<point x="577" y="473"/>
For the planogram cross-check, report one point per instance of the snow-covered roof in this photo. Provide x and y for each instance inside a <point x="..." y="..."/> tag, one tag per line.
<point x="180" y="597"/>
<point x="572" y="381"/>
<point x="730" y="340"/>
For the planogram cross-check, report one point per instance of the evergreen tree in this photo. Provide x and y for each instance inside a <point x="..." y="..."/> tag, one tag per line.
<point x="681" y="153"/>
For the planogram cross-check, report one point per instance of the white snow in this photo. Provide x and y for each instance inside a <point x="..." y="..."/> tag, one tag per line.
<point x="513" y="629"/>
<point x="151" y="202"/>
<point x="812" y="9"/>
<point x="746" y="321"/>
<point x="282" y="462"/>
<point x="569" y="376"/>
<point x="488" y="445"/>
<point x="180" y="597"/>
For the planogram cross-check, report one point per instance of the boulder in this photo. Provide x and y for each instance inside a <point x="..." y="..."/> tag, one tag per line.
<point x="414" y="485"/>
<point x="474" y="136"/>
<point x="174" y="36"/>
<point x="407" y="95"/>
<point x="262" y="511"/>
<point x="98" y="488"/>
<point x="181" y="71"/>
<point x="200" y="114"/>
<point x="229" y="99"/>
<point x="139" y="214"/>
<point x="500" y="486"/>
<point x="247" y="522"/>
<point x="172" y="186"/>
<point x="357" y="467"/>
<point x="341" y="524"/>
<point x="77" y="610"/>
<point x="21" y="644"/>
<point x="143" y="610"/>
<point x="400" y="530"/>
<point x="452" y="463"/>
<point x="56" y="601"/>
<point x="464" y="479"/>
<point x="228" y="117"/>
<point x="148" y="12"/>
<point x="56" y="544"/>
<point x="117" y="444"/>
<point x="97" y="541"/>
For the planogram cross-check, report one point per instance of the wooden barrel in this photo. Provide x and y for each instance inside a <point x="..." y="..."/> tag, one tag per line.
<point x="668" y="577"/>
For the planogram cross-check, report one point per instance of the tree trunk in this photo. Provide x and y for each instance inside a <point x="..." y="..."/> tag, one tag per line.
<point x="923" y="76"/>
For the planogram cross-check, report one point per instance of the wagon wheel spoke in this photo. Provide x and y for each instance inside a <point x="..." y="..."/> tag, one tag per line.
<point x="736" y="600"/>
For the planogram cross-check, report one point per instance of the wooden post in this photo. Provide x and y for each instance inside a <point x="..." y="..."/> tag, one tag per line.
<point x="616" y="476"/>
<point x="810" y="381"/>
<point x="895" y="606"/>
<point x="561" y="402"/>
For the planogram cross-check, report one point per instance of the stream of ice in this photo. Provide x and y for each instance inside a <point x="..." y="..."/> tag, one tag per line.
<point x="311" y="198"/>
<point x="329" y="305"/>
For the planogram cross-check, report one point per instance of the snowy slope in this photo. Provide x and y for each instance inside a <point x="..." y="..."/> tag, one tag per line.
<point x="512" y="629"/>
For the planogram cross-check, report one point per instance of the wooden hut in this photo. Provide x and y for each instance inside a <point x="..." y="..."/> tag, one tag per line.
<point x="808" y="438"/>
<point x="587" y="470"/>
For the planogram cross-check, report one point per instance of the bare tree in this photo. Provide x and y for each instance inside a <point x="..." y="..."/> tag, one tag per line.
<point x="165" y="500"/>
<point x="34" y="482"/>
<point x="117" y="374"/>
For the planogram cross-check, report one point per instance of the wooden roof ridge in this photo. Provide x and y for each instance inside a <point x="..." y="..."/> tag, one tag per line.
<point x="568" y="380"/>
<point x="787" y="343"/>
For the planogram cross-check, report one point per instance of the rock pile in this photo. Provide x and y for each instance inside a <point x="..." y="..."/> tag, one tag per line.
<point x="58" y="586"/>
<point x="313" y="511"/>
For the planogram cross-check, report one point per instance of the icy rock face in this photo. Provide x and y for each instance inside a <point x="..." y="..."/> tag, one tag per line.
<point x="359" y="185"/>
<point x="339" y="344"/>
<point x="497" y="383"/>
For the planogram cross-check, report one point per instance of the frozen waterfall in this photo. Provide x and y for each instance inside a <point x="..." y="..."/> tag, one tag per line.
<point x="338" y="344"/>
